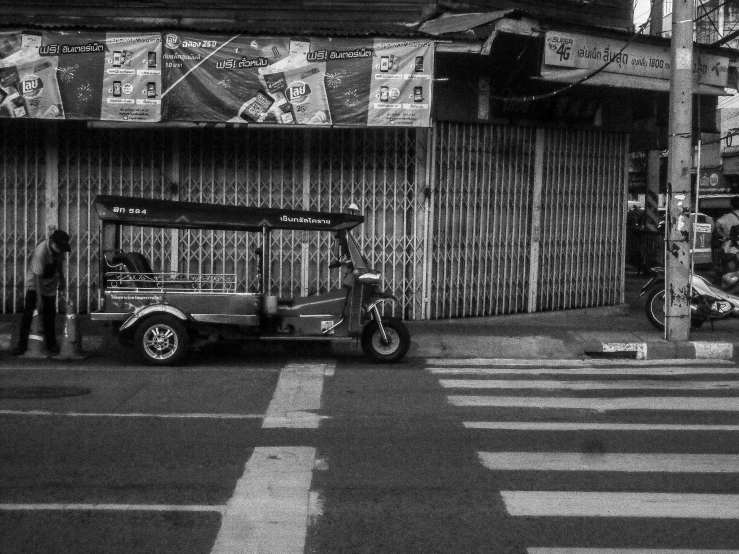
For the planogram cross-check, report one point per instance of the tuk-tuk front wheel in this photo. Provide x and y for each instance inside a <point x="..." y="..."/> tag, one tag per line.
<point x="161" y="340"/>
<point x="392" y="350"/>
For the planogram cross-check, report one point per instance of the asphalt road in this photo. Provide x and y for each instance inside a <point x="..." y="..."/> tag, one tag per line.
<point x="317" y="455"/>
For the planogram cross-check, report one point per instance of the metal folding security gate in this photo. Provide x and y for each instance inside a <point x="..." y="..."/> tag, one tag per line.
<point x="525" y="219"/>
<point x="583" y="219"/>
<point x="381" y="170"/>
<point x="510" y="219"/>
<point x="22" y="199"/>
<point x="107" y="161"/>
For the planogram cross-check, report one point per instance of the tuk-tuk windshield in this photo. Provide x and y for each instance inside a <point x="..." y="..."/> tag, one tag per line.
<point x="353" y="252"/>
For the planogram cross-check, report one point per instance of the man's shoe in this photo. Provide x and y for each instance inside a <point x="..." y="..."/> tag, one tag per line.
<point x="18" y="350"/>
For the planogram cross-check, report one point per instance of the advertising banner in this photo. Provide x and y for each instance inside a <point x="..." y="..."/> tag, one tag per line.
<point x="80" y="75"/>
<point x="283" y="81"/>
<point x="576" y="51"/>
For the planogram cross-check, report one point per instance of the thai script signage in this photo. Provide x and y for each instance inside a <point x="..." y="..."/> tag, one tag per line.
<point x="576" y="51"/>
<point x="80" y="75"/>
<point x="97" y="75"/>
<point x="287" y="81"/>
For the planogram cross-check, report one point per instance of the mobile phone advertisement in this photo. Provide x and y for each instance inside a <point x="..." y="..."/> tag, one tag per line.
<point x="284" y="81"/>
<point x="196" y="77"/>
<point x="80" y="75"/>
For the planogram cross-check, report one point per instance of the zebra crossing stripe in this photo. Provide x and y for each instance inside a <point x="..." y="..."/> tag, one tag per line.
<point x="563" y="426"/>
<point x="615" y="462"/>
<point x="621" y="504"/>
<point x="651" y="371"/>
<point x="523" y="362"/>
<point x="681" y="403"/>
<point x="545" y="550"/>
<point x="586" y="385"/>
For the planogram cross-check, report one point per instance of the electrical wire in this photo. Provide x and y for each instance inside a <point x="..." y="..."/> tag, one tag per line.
<point x="713" y="23"/>
<point x="706" y="12"/>
<point x="639" y="31"/>
<point x="551" y="94"/>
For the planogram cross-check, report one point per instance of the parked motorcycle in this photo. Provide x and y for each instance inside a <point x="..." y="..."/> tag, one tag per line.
<point x="707" y="302"/>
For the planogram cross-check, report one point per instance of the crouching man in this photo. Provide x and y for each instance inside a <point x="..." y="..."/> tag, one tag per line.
<point x="43" y="278"/>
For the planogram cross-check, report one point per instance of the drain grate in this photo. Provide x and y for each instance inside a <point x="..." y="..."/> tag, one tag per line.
<point x="42" y="392"/>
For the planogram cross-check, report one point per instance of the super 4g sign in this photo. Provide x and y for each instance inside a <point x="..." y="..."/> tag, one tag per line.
<point x="591" y="53"/>
<point x="562" y="47"/>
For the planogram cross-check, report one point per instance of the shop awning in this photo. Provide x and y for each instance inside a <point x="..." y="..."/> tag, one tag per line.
<point x="614" y="80"/>
<point x="624" y="62"/>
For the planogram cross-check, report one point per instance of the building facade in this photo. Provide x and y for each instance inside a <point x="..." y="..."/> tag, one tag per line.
<point x="511" y="199"/>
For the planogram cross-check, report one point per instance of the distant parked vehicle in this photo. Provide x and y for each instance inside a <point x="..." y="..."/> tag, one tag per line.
<point x="707" y="301"/>
<point x="702" y="254"/>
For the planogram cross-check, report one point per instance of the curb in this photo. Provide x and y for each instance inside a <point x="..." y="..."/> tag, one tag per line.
<point x="91" y="342"/>
<point x="654" y="350"/>
<point x="663" y="350"/>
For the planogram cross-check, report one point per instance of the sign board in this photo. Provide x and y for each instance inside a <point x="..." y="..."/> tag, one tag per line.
<point x="289" y="81"/>
<point x="578" y="51"/>
<point x="111" y="76"/>
<point x="711" y="180"/>
<point x="80" y="75"/>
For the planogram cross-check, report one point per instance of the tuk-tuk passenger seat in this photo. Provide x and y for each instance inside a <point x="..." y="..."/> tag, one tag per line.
<point x="135" y="263"/>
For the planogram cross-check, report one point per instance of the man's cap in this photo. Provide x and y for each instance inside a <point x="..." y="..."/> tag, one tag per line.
<point x="61" y="239"/>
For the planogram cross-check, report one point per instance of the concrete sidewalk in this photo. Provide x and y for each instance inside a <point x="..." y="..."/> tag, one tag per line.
<point x="612" y="331"/>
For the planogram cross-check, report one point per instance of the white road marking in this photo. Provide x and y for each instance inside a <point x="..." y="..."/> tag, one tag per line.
<point x="651" y="371"/>
<point x="468" y="362"/>
<point x="114" y="507"/>
<point x="585" y="385"/>
<point x="272" y="504"/>
<point x="621" y="504"/>
<point x="296" y="397"/>
<point x="546" y="550"/>
<point x="678" y="403"/>
<point x="574" y="426"/>
<point x="269" y="510"/>
<point x="135" y="414"/>
<point x="617" y="462"/>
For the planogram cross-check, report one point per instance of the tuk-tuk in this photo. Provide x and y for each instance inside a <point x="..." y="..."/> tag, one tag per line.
<point x="163" y="313"/>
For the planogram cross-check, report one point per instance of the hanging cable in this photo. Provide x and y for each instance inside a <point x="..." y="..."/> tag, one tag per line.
<point x="544" y="96"/>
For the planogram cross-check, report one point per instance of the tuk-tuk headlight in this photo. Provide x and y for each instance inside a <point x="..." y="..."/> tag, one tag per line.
<point x="370" y="278"/>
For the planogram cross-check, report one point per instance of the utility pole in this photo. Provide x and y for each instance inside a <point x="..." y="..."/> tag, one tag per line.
<point x="680" y="162"/>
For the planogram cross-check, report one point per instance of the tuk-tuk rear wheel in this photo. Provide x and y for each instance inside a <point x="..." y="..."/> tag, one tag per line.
<point x="161" y="340"/>
<point x="399" y="340"/>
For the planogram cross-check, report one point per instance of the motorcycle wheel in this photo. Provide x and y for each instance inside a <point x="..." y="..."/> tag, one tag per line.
<point x="161" y="340"/>
<point x="655" y="308"/>
<point x="399" y="340"/>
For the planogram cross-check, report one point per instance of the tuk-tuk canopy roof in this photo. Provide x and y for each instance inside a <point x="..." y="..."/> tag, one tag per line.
<point x="172" y="214"/>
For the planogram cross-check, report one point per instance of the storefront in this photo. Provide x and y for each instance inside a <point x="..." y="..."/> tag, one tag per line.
<point x="478" y="203"/>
